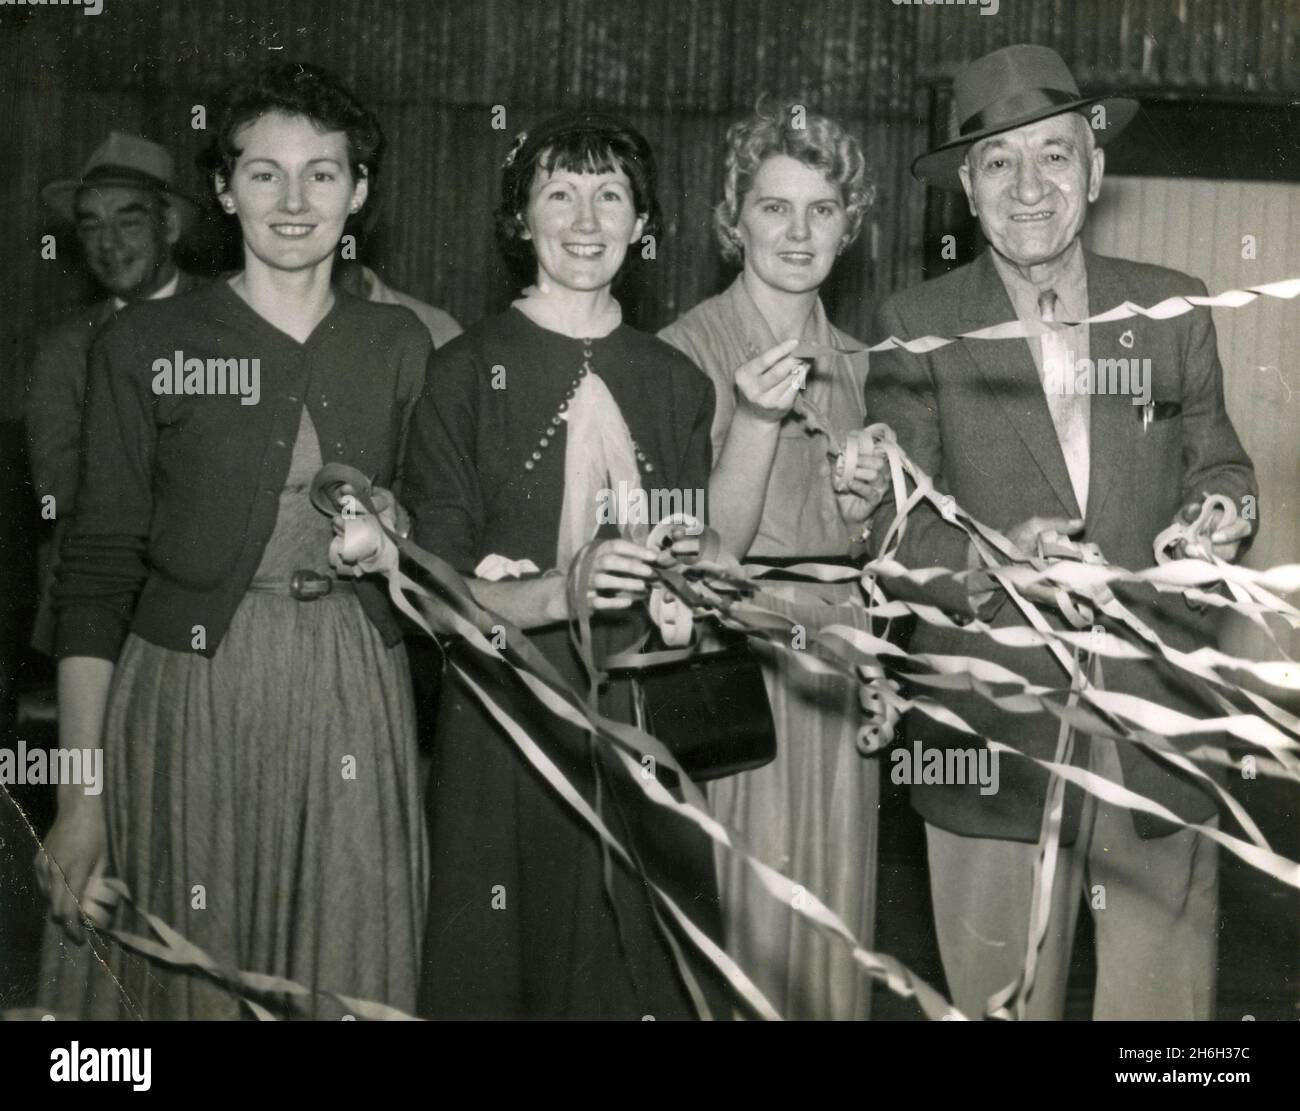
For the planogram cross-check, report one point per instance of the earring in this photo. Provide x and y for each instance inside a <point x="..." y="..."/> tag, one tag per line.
<point x="228" y="204"/>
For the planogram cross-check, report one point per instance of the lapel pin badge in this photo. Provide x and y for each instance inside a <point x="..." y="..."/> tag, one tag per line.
<point x="1126" y="340"/>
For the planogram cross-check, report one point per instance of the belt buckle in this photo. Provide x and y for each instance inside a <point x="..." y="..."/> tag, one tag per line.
<point x="307" y="586"/>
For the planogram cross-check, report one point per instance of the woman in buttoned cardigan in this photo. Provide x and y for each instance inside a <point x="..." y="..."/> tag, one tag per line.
<point x="254" y="708"/>
<point x="527" y="917"/>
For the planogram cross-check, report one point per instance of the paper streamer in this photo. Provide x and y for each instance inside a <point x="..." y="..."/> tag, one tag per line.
<point x="1252" y="593"/>
<point x="1164" y="310"/>
<point x="171" y="948"/>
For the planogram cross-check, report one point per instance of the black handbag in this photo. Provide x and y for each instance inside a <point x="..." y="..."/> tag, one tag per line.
<point x="709" y="708"/>
<point x="706" y="703"/>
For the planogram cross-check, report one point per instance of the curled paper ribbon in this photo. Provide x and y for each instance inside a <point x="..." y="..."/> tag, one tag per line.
<point x="840" y="649"/>
<point x="672" y="616"/>
<point x="1055" y="545"/>
<point x="1044" y="869"/>
<point x="1164" y="310"/>
<point x="170" y="947"/>
<point x="879" y="698"/>
<point x="846" y="463"/>
<point x="454" y="605"/>
<point x="844" y="647"/>
<point x="808" y="351"/>
<point x="1193" y="538"/>
<point x="1074" y="576"/>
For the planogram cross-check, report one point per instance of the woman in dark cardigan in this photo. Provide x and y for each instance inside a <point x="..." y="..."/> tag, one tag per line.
<point x="517" y="415"/>
<point x="254" y="709"/>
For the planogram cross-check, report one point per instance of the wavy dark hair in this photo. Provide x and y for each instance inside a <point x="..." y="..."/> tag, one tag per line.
<point x="296" y="89"/>
<point x="580" y="142"/>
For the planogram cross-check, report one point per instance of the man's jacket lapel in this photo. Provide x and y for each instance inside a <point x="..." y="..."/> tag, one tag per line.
<point x="1012" y="379"/>
<point x="1115" y="419"/>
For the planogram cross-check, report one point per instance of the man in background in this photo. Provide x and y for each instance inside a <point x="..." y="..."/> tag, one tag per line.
<point x="128" y="217"/>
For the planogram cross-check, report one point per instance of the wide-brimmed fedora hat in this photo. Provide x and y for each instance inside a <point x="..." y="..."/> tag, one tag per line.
<point x="128" y="160"/>
<point x="1007" y="89"/>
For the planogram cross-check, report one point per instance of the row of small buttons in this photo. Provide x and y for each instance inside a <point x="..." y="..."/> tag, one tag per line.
<point x="553" y="425"/>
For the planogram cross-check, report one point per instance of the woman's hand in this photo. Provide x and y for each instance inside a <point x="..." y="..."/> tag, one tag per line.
<point x="861" y="490"/>
<point x="767" y="385"/>
<point x="359" y="545"/>
<point x="74" y="853"/>
<point x="620" y="574"/>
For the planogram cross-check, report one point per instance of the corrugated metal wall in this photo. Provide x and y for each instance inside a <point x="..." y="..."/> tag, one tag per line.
<point x="682" y="71"/>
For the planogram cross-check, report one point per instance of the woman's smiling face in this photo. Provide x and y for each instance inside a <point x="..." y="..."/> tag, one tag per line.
<point x="580" y="225"/>
<point x="792" y="224"/>
<point x="293" y="189"/>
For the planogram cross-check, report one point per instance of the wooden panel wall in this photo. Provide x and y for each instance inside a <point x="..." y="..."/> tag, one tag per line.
<point x="1200" y="227"/>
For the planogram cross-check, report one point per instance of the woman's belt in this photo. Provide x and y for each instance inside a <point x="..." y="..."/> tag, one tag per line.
<point x="305" y="585"/>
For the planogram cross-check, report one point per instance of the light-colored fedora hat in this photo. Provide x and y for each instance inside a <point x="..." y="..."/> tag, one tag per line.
<point x="1007" y="89"/>
<point x="123" y="159"/>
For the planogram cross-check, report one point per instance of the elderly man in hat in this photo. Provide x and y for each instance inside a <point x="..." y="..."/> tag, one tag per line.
<point x="1004" y="428"/>
<point x="128" y="216"/>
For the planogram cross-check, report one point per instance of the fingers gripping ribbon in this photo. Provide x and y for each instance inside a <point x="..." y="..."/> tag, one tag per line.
<point x="1192" y="540"/>
<point x="1098" y="627"/>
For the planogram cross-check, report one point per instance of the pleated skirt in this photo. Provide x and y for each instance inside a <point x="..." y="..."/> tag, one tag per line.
<point x="265" y="803"/>
<point x="813" y="815"/>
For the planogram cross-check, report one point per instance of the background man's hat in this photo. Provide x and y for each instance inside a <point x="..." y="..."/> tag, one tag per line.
<point x="1008" y="89"/>
<point x="123" y="160"/>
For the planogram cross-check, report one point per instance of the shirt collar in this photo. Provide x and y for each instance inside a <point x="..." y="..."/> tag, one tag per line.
<point x="158" y="294"/>
<point x="1070" y="286"/>
<point x="758" y="334"/>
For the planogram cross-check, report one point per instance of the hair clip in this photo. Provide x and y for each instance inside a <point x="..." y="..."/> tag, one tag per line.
<point x="514" y="150"/>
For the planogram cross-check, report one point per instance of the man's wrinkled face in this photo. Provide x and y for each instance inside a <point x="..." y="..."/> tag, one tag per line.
<point x="1031" y="187"/>
<point x="127" y="236"/>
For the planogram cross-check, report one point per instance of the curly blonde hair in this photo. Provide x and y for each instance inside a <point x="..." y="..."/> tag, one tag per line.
<point x="821" y="144"/>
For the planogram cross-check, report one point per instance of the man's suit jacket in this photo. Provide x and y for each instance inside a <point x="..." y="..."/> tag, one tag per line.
<point x="974" y="416"/>
<point x="54" y="398"/>
<point x="53" y="418"/>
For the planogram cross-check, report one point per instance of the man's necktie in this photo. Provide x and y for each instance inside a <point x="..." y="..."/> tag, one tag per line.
<point x="1070" y="411"/>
